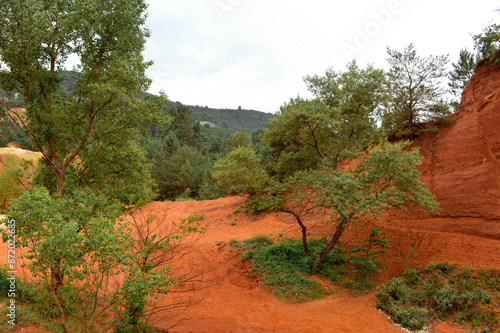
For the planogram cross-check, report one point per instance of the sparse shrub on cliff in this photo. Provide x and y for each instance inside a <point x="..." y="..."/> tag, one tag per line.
<point x="488" y="43"/>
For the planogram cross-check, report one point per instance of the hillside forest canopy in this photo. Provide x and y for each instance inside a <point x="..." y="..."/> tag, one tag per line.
<point x="109" y="148"/>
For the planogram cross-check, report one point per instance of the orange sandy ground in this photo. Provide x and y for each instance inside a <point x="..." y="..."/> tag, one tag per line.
<point x="240" y="303"/>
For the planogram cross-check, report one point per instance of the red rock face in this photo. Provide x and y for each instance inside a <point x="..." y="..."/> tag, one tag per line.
<point x="461" y="163"/>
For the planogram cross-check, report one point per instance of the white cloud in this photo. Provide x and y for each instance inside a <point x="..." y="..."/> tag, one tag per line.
<point x="254" y="53"/>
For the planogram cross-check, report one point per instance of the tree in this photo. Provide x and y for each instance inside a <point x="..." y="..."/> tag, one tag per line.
<point x="386" y="177"/>
<point x="415" y="91"/>
<point x="183" y="126"/>
<point x="238" y="139"/>
<point x="241" y="171"/>
<point x="335" y="125"/>
<point x="461" y="74"/>
<point x="73" y="248"/>
<point x="92" y="169"/>
<point x="107" y="37"/>
<point x="488" y="42"/>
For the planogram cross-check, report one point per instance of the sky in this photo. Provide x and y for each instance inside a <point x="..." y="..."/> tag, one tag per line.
<point x="255" y="53"/>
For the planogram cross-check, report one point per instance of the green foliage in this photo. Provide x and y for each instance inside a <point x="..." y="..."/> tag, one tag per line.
<point x="9" y="132"/>
<point x="336" y="125"/>
<point x="415" y="95"/>
<point x="441" y="291"/>
<point x="238" y="139"/>
<point x="285" y="269"/>
<point x="461" y="74"/>
<point x="69" y="238"/>
<point x="93" y="170"/>
<point x="488" y="43"/>
<point x="12" y="181"/>
<point x="4" y="282"/>
<point x="234" y="119"/>
<point x="387" y="177"/>
<point x="257" y="242"/>
<point x="365" y="256"/>
<point x="106" y="107"/>
<point x="241" y="172"/>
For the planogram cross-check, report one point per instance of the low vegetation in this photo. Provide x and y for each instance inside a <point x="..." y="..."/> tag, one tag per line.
<point x="443" y="292"/>
<point x="288" y="272"/>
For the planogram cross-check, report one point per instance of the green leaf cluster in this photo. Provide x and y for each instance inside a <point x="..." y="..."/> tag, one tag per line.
<point x="241" y="172"/>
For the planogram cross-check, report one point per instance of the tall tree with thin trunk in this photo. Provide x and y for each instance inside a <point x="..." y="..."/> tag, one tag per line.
<point x="106" y="39"/>
<point x="461" y="74"/>
<point x="92" y="169"/>
<point x="416" y="93"/>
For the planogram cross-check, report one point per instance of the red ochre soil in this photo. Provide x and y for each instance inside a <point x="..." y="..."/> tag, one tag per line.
<point x="240" y="303"/>
<point x="461" y="167"/>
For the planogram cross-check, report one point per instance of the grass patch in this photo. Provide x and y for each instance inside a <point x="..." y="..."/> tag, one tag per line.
<point x="285" y="269"/>
<point x="442" y="291"/>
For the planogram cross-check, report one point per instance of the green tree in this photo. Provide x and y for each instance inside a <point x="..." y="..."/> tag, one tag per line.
<point x="183" y="126"/>
<point x="415" y="91"/>
<point x="488" y="42"/>
<point x="461" y="74"/>
<point x="108" y="37"/>
<point x="241" y="171"/>
<point x="238" y="139"/>
<point x="73" y="247"/>
<point x="336" y="125"/>
<point x="386" y="177"/>
<point x="181" y="172"/>
<point x="92" y="168"/>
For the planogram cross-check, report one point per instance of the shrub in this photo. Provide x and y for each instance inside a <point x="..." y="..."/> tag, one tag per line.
<point x="439" y="291"/>
<point x="256" y="242"/>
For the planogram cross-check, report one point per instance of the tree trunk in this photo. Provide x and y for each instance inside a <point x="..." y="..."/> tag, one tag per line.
<point x="331" y="245"/>
<point x="59" y="183"/>
<point x="56" y="276"/>
<point x="303" y="227"/>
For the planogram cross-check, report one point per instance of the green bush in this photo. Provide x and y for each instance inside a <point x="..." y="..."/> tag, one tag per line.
<point x="413" y="317"/>
<point x="256" y="242"/>
<point x="286" y="270"/>
<point x="4" y="282"/>
<point x="439" y="291"/>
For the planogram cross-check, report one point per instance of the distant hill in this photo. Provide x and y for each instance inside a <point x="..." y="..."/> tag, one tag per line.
<point x="229" y="119"/>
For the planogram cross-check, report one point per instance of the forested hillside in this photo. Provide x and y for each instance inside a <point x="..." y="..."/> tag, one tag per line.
<point x="230" y="119"/>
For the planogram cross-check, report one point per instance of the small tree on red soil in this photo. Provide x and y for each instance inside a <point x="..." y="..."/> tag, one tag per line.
<point x="386" y="177"/>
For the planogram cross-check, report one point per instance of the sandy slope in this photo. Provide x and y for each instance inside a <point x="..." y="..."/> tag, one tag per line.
<point x="241" y="304"/>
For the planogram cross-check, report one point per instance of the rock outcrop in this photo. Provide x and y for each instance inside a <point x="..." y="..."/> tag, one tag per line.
<point x="461" y="163"/>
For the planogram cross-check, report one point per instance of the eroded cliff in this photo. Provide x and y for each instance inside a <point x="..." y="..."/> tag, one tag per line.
<point x="462" y="161"/>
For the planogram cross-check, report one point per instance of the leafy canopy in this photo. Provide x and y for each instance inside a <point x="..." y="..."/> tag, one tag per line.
<point x="335" y="125"/>
<point x="107" y="105"/>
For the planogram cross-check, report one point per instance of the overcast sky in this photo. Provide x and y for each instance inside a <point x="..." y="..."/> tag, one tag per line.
<point x="254" y="53"/>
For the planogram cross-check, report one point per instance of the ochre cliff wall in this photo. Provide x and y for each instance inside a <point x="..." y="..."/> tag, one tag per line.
<point x="461" y="163"/>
